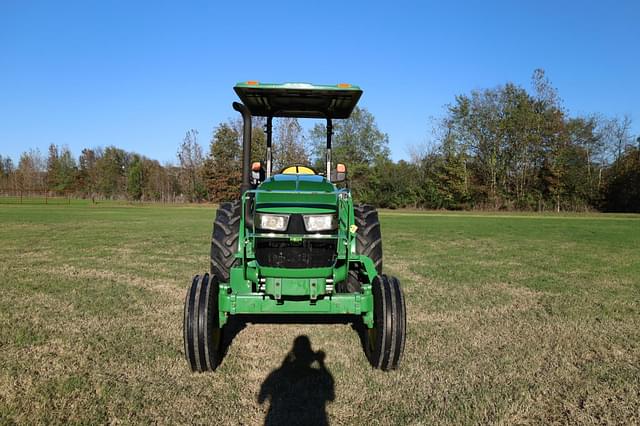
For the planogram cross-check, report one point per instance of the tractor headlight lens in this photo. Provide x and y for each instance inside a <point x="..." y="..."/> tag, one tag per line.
<point x="273" y="222"/>
<point x="320" y="222"/>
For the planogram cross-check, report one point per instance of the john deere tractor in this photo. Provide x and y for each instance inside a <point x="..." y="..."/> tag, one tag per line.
<point x="294" y="246"/>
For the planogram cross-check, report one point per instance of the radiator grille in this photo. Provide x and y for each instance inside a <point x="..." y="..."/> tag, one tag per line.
<point x="282" y="253"/>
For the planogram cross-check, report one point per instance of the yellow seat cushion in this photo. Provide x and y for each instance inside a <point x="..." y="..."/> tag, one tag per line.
<point x="298" y="170"/>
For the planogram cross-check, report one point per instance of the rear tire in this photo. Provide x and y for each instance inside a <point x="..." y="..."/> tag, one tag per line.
<point x="201" y="332"/>
<point x="368" y="243"/>
<point x="384" y="343"/>
<point x="368" y="235"/>
<point x="224" y="239"/>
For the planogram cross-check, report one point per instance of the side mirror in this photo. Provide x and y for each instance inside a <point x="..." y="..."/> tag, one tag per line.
<point x="340" y="175"/>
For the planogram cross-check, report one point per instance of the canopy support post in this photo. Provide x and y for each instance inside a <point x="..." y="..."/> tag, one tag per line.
<point x="269" y="134"/>
<point x="329" y="134"/>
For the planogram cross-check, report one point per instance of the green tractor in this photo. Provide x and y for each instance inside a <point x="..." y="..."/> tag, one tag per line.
<point x="294" y="247"/>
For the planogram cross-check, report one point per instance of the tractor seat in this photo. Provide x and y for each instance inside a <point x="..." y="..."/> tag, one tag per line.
<point x="298" y="170"/>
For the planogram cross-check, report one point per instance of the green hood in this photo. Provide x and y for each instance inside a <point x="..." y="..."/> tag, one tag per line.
<point x="312" y="183"/>
<point x="306" y="191"/>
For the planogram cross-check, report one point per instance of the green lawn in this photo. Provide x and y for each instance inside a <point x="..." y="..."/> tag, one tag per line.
<point x="511" y="319"/>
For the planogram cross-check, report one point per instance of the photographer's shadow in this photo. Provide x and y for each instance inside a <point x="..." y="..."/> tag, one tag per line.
<point x="299" y="389"/>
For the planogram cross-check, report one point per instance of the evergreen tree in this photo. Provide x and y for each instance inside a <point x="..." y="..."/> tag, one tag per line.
<point x="64" y="171"/>
<point x="222" y="169"/>
<point x="111" y="172"/>
<point x="87" y="174"/>
<point x="135" y="182"/>
<point x="53" y="167"/>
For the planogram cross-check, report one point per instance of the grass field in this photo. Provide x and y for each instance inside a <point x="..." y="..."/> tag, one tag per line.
<point x="511" y="319"/>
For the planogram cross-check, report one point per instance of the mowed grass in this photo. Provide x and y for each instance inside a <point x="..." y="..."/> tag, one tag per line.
<point x="511" y="319"/>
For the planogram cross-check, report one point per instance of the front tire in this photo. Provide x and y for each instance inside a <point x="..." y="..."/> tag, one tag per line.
<point x="384" y="342"/>
<point x="201" y="332"/>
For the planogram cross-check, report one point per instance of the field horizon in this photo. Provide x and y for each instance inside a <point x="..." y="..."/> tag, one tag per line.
<point x="512" y="318"/>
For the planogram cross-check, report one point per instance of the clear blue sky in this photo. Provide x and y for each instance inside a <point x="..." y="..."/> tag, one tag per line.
<point x="139" y="75"/>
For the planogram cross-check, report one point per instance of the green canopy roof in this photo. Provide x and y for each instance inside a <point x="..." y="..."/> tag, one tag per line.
<point x="298" y="99"/>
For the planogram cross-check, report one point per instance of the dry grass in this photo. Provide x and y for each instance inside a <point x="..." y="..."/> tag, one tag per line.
<point x="511" y="320"/>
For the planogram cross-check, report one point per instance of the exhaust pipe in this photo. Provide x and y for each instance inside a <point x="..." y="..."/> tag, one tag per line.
<point x="246" y="145"/>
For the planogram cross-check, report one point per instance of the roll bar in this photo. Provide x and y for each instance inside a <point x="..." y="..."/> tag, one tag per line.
<point x="328" y="152"/>
<point x="269" y="133"/>
<point x="246" y="145"/>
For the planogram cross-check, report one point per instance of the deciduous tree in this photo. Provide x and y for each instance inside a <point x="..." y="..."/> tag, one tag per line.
<point x="289" y="146"/>
<point x="191" y="160"/>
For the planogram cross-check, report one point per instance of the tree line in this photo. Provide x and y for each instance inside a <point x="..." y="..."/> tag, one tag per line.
<point x="500" y="148"/>
<point x="99" y="173"/>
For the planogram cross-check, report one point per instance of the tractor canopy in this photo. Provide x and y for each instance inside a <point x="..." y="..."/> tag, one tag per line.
<point x="301" y="100"/>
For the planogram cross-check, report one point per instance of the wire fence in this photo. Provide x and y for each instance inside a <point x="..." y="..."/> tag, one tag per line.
<point x="11" y="196"/>
<point x="35" y="197"/>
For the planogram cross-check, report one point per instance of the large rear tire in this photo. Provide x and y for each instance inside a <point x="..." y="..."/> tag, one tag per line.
<point x="384" y="343"/>
<point x="368" y="235"/>
<point x="368" y="243"/>
<point x="201" y="332"/>
<point x="224" y="239"/>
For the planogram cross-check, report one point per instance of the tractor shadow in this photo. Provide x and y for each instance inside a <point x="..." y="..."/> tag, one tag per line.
<point x="299" y="390"/>
<point x="236" y="323"/>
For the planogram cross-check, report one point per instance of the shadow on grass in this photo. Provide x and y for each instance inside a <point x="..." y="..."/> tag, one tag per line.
<point x="236" y="323"/>
<point x="360" y="328"/>
<point x="231" y="329"/>
<point x="299" y="390"/>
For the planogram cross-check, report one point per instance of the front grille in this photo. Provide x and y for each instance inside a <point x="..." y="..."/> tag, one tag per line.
<point x="282" y="253"/>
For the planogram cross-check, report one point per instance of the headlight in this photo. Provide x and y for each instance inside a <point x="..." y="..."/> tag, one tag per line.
<point x="320" y="222"/>
<point x="273" y="222"/>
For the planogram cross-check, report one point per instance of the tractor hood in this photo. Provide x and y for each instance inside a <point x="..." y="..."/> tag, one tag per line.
<point x="297" y="182"/>
<point x="310" y="192"/>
